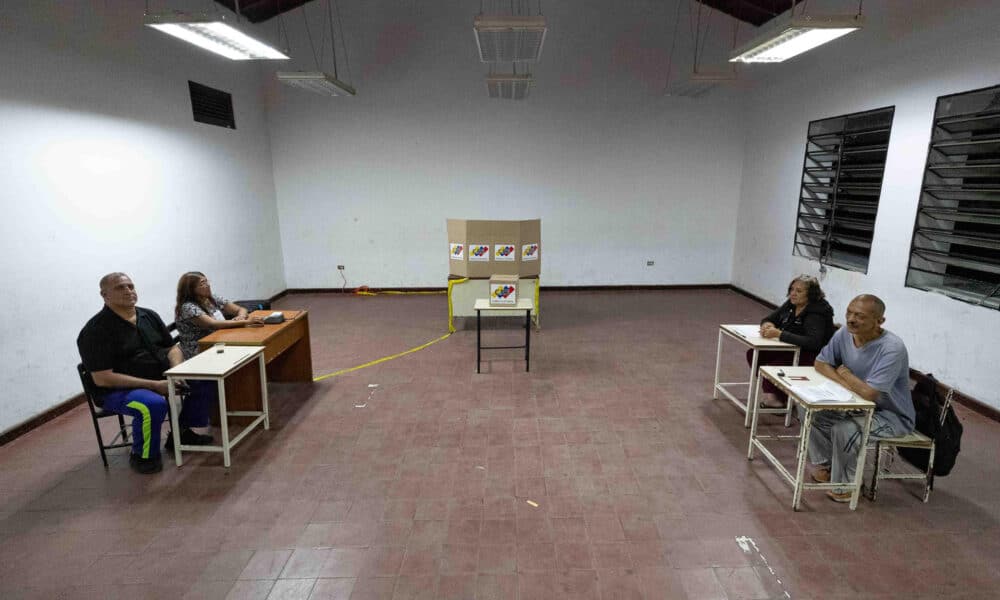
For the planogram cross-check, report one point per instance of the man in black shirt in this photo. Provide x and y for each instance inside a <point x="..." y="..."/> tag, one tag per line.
<point x="127" y="348"/>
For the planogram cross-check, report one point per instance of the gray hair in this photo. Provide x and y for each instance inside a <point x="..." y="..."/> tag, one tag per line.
<point x="874" y="301"/>
<point x="109" y="278"/>
<point x="813" y="291"/>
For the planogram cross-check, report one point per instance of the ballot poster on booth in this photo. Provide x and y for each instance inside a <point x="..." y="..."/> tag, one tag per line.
<point x="529" y="252"/>
<point x="479" y="252"/>
<point x="456" y="251"/>
<point x="505" y="253"/>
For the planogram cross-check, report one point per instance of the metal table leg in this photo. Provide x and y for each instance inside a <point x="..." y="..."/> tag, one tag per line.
<point x="859" y="472"/>
<point x="263" y="390"/>
<point x="789" y="403"/>
<point x="800" y="457"/>
<point x="753" y="388"/>
<point x="479" y="343"/>
<point x="175" y="431"/>
<point x="224" y="422"/>
<point x="527" y="340"/>
<point x="753" y="424"/>
<point x="718" y="366"/>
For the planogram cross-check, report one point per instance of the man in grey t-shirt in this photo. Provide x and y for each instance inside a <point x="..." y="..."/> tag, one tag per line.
<point x="872" y="363"/>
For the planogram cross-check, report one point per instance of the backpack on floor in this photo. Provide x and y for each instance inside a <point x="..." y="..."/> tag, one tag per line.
<point x="944" y="429"/>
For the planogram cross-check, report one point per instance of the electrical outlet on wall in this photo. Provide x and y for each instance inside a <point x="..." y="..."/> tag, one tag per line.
<point x="340" y="267"/>
<point x="649" y="263"/>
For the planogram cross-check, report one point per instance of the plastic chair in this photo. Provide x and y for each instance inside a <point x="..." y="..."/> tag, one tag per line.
<point x="911" y="440"/>
<point x="97" y="412"/>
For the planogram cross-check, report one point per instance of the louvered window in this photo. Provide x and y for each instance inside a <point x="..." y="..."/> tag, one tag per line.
<point x="841" y="184"/>
<point x="211" y="106"/>
<point x="956" y="237"/>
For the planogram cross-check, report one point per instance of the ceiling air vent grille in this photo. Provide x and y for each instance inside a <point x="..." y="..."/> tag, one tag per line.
<point x="509" y="87"/>
<point x="211" y="106"/>
<point x="509" y="38"/>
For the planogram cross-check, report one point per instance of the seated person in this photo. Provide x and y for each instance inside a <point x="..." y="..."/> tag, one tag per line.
<point x="806" y="320"/>
<point x="198" y="312"/>
<point x="127" y="348"/>
<point x="872" y="363"/>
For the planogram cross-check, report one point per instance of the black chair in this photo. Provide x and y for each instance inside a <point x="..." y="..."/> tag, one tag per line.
<point x="252" y="305"/>
<point x="97" y="412"/>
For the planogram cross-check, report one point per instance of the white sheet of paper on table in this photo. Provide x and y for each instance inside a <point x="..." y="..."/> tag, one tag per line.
<point x="826" y="391"/>
<point x="747" y="331"/>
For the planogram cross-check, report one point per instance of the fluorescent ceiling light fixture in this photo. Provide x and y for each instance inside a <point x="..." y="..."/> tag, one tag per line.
<point x="212" y="33"/>
<point x="509" y="87"/>
<point x="792" y="38"/>
<point x="316" y="81"/>
<point x="509" y="38"/>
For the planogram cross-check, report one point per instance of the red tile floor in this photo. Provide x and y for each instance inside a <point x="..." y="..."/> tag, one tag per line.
<point x="640" y="479"/>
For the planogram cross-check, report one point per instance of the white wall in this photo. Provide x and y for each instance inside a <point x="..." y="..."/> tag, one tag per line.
<point x="103" y="169"/>
<point x="618" y="173"/>
<point x="904" y="59"/>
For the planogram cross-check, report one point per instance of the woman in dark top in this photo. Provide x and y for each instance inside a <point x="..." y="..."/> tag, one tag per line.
<point x="806" y="320"/>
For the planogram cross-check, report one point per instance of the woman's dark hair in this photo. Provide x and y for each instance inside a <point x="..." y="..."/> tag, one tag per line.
<point x="813" y="292"/>
<point x="187" y="288"/>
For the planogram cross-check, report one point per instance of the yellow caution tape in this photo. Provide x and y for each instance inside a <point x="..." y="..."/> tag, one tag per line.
<point x="364" y="291"/>
<point x="451" y="308"/>
<point x="538" y="310"/>
<point x="451" y="326"/>
<point x="381" y="360"/>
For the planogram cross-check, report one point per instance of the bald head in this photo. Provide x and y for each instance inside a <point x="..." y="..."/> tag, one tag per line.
<point x="865" y="315"/>
<point x="876" y="305"/>
<point x="118" y="292"/>
<point x="111" y="279"/>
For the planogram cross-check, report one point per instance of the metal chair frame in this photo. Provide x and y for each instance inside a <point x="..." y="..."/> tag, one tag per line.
<point x="911" y="440"/>
<point x="97" y="413"/>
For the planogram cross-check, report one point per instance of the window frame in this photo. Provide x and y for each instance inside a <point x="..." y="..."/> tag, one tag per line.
<point x="966" y="205"/>
<point x="824" y="191"/>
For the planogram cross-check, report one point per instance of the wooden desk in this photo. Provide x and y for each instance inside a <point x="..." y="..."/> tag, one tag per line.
<point x="287" y="353"/>
<point x="785" y="383"/>
<point x="522" y="304"/>
<point x="755" y="343"/>
<point x="218" y="366"/>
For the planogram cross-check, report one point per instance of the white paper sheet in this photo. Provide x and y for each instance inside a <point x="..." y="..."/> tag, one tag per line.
<point x="747" y="331"/>
<point x="826" y="391"/>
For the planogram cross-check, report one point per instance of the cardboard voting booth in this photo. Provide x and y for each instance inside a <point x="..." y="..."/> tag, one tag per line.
<point x="501" y="259"/>
<point x="482" y="249"/>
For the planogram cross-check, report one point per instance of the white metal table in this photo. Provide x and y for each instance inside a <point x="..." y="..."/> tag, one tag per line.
<point x="790" y="380"/>
<point x="215" y="366"/>
<point x="743" y="335"/>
